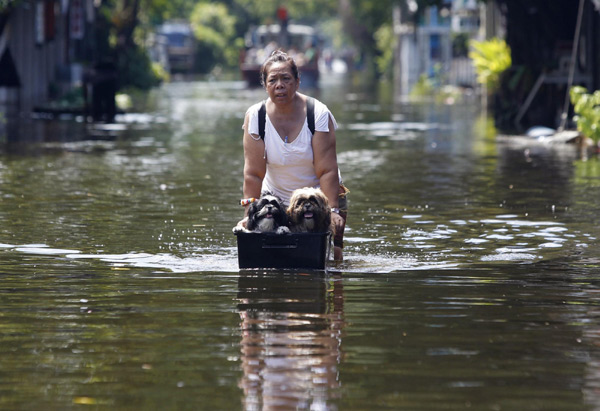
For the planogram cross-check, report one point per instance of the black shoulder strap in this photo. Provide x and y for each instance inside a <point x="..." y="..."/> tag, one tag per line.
<point x="262" y="119"/>
<point x="310" y="117"/>
<point x="310" y="114"/>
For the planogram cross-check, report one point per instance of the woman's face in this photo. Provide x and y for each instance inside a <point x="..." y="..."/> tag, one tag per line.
<point x="280" y="83"/>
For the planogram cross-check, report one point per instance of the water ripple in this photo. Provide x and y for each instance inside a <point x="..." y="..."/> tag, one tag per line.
<point x="508" y="238"/>
<point x="421" y="244"/>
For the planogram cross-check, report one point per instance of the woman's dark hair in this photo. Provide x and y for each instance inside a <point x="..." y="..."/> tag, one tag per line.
<point x="278" y="56"/>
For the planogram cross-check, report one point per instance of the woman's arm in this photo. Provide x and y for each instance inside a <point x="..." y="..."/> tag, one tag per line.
<point x="325" y="161"/>
<point x="255" y="164"/>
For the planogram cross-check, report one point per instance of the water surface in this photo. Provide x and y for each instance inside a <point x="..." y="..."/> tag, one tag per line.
<point x="470" y="277"/>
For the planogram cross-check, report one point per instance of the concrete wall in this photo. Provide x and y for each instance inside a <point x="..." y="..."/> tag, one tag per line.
<point x="37" y="58"/>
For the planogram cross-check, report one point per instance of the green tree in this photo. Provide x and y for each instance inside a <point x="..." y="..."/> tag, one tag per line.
<point x="214" y="29"/>
<point x="490" y="58"/>
<point x="156" y="12"/>
<point x="220" y="26"/>
<point x="587" y="111"/>
<point x="119" y="20"/>
<point x="386" y="44"/>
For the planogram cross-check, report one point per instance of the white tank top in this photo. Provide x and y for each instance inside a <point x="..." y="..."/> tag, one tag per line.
<point x="290" y="165"/>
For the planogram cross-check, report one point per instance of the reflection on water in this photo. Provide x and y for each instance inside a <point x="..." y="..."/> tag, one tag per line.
<point x="470" y="277"/>
<point x="591" y="336"/>
<point x="291" y="336"/>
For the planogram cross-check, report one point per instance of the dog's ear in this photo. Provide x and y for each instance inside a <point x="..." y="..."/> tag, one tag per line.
<point x="324" y="206"/>
<point x="322" y="200"/>
<point x="252" y="209"/>
<point x="290" y="209"/>
<point x="276" y="199"/>
<point x="292" y="212"/>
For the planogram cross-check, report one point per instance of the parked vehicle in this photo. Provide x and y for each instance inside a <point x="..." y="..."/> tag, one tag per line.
<point x="180" y="46"/>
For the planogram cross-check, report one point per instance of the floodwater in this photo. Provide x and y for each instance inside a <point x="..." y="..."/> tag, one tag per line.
<point x="470" y="278"/>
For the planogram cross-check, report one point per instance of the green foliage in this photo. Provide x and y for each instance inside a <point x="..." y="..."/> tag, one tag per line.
<point x="214" y="29"/>
<point x="491" y="58"/>
<point x="73" y="98"/>
<point x="587" y="110"/>
<point x="363" y="18"/>
<point x="332" y="30"/>
<point x="220" y="26"/>
<point x="159" y="72"/>
<point x="158" y="11"/>
<point x="429" y="88"/>
<point x="424" y="87"/>
<point x="135" y="70"/>
<point x="386" y="44"/>
<point x="123" y="101"/>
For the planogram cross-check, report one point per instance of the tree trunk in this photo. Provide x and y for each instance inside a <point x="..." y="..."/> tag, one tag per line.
<point x="359" y="34"/>
<point x="128" y="24"/>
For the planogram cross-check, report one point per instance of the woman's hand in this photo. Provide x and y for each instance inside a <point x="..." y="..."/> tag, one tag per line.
<point x="338" y="221"/>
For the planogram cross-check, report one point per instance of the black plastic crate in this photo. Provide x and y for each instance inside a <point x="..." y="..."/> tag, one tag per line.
<point x="294" y="250"/>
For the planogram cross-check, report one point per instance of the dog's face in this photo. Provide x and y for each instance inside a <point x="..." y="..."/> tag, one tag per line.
<point x="309" y="212"/>
<point x="266" y="214"/>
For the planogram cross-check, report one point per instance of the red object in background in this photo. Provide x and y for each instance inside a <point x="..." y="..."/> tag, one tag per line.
<point x="282" y="14"/>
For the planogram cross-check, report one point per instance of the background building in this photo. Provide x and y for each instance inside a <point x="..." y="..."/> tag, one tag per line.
<point x="44" y="45"/>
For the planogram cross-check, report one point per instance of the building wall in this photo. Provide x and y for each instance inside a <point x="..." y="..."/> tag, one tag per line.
<point x="37" y="56"/>
<point x="426" y="48"/>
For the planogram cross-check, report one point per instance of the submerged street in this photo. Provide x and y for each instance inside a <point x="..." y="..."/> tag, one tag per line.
<point x="470" y="277"/>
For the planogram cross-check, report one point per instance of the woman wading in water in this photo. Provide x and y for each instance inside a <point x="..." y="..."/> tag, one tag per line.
<point x="289" y="155"/>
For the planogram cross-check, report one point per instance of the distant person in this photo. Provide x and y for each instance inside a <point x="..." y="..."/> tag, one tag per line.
<point x="103" y="81"/>
<point x="311" y="53"/>
<point x="328" y="57"/>
<point x="290" y="156"/>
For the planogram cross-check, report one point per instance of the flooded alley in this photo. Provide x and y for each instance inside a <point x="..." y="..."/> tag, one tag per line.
<point x="470" y="278"/>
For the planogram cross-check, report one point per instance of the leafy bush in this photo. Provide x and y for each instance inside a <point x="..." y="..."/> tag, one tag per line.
<point x="72" y="98"/>
<point x="491" y="58"/>
<point x="135" y="70"/>
<point x="430" y="87"/>
<point x="214" y="29"/>
<point x="386" y="44"/>
<point x="159" y="72"/>
<point x="424" y="87"/>
<point x="587" y="110"/>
